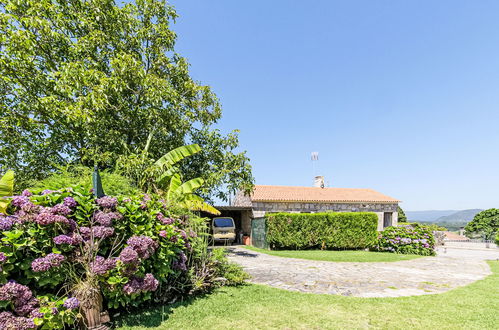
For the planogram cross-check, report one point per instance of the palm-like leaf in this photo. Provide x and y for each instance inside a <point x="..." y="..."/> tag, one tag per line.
<point x="196" y="203"/>
<point x="190" y="186"/>
<point x="6" y="189"/>
<point x="177" y="154"/>
<point x="175" y="184"/>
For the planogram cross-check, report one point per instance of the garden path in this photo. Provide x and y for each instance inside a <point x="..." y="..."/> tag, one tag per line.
<point x="429" y="275"/>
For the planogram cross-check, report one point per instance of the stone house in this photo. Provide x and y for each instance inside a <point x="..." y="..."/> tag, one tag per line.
<point x="293" y="199"/>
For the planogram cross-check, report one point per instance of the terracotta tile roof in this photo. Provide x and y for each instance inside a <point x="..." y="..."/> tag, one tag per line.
<point x="455" y="237"/>
<point x="263" y="193"/>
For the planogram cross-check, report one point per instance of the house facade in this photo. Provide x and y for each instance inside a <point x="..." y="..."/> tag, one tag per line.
<point x="293" y="199"/>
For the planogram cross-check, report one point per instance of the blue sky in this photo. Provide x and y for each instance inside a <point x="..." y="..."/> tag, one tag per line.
<point x="397" y="96"/>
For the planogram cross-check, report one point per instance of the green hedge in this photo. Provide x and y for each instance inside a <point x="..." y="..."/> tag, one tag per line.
<point x="299" y="231"/>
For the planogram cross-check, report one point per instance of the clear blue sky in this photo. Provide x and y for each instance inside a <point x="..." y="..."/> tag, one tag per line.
<point x="398" y="96"/>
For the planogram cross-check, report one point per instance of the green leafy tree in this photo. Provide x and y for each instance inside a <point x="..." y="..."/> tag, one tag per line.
<point x="484" y="224"/>
<point x="84" y="80"/>
<point x="401" y="215"/>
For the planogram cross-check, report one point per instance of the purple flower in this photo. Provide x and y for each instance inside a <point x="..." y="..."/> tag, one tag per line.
<point x="61" y="209"/>
<point x="164" y="220"/>
<point x="26" y="193"/>
<point x="9" y="321"/>
<point x="6" y="223"/>
<point x="143" y="245"/>
<point x="107" y="202"/>
<point x="47" y="217"/>
<point x="71" y="303"/>
<point x="101" y="266"/>
<point x="180" y="263"/>
<point x="47" y="191"/>
<point x="129" y="256"/>
<point x="137" y="285"/>
<point x="55" y="311"/>
<point x="162" y="233"/>
<point x="97" y="232"/>
<point x="20" y="296"/>
<point x="36" y="313"/>
<point x="106" y="218"/>
<point x="63" y="239"/>
<point x="70" y="202"/>
<point x="19" y="201"/>
<point x="3" y="257"/>
<point x="47" y="262"/>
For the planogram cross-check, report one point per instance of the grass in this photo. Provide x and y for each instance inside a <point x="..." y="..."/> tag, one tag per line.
<point x="261" y="307"/>
<point x="337" y="256"/>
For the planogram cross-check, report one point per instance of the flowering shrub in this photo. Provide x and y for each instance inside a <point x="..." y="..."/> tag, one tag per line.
<point x="67" y="241"/>
<point x="407" y="240"/>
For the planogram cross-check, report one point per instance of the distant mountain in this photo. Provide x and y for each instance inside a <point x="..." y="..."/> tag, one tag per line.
<point x="452" y="220"/>
<point x="428" y="216"/>
<point x="461" y="216"/>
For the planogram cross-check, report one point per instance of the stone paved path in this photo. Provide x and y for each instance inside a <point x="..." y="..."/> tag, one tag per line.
<point x="428" y="275"/>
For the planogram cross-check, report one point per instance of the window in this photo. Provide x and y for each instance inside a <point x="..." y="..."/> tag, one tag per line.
<point x="387" y="219"/>
<point x="223" y="222"/>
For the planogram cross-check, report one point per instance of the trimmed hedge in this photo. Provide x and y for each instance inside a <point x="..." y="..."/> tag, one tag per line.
<point x="300" y="231"/>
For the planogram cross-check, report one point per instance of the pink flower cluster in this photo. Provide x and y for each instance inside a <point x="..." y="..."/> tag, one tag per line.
<point x="137" y="285"/>
<point x="96" y="232"/>
<point x="106" y="218"/>
<point x="21" y="298"/>
<point x="49" y="261"/>
<point x="143" y="245"/>
<point x="101" y="265"/>
<point x="107" y="202"/>
<point x="164" y="220"/>
<point x="74" y="239"/>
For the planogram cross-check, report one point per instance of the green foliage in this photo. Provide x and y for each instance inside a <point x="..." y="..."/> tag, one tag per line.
<point x="6" y="189"/>
<point x="231" y="273"/>
<point x="414" y="239"/>
<point x="401" y="215"/>
<point x="84" y="81"/>
<point x="354" y="230"/>
<point x="484" y="224"/>
<point x="28" y="235"/>
<point x="69" y="176"/>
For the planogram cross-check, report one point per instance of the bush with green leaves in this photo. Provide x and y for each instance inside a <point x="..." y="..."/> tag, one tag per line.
<point x="70" y="176"/>
<point x="484" y="225"/>
<point x="412" y="239"/>
<point x="356" y="230"/>
<point x="123" y="251"/>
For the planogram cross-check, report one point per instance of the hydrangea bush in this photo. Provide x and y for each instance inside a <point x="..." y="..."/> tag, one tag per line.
<point x="53" y="241"/>
<point x="407" y="240"/>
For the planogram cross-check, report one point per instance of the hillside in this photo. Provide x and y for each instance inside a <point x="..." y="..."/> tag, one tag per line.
<point x="452" y="220"/>
<point x="428" y="216"/>
<point x="461" y="216"/>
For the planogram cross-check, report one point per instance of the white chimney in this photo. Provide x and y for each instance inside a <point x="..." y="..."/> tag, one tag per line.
<point x="319" y="181"/>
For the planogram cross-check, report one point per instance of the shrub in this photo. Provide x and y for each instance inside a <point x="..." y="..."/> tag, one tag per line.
<point x="321" y="230"/>
<point x="124" y="251"/>
<point x="70" y="176"/>
<point x="407" y="240"/>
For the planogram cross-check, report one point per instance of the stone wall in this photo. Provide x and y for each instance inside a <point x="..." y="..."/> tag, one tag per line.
<point x="323" y="207"/>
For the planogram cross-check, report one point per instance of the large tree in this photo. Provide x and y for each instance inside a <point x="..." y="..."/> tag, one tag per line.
<point x="484" y="224"/>
<point x="86" y="81"/>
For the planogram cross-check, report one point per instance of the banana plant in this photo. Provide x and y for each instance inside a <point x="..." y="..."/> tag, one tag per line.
<point x="183" y="194"/>
<point x="6" y="190"/>
<point x="167" y="163"/>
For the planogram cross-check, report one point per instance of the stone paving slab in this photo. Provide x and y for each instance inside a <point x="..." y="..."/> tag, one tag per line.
<point x="428" y="275"/>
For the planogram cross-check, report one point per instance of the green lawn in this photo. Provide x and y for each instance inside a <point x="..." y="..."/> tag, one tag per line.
<point x="338" y="256"/>
<point x="260" y="307"/>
